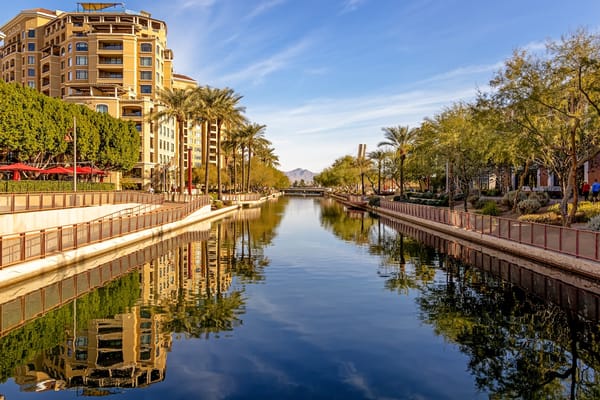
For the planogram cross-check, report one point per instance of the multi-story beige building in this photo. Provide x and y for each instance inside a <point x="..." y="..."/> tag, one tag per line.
<point x="112" y="60"/>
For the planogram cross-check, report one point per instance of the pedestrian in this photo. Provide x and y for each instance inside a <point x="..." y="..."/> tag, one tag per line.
<point x="595" y="190"/>
<point x="585" y="190"/>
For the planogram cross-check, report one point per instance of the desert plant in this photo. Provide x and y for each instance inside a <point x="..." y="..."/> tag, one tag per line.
<point x="509" y="198"/>
<point x="550" y="218"/>
<point x="528" y="206"/>
<point x="594" y="223"/>
<point x="542" y="197"/>
<point x="490" y="208"/>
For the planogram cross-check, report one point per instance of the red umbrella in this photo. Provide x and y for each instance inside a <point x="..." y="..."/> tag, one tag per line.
<point x="57" y="170"/>
<point x="85" y="170"/>
<point x="19" y="167"/>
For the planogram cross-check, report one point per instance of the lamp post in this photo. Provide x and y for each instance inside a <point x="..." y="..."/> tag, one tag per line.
<point x="74" y="154"/>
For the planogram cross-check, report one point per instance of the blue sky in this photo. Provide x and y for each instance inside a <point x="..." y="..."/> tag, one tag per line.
<point x="327" y="75"/>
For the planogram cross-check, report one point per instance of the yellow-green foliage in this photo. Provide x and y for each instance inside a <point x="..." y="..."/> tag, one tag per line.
<point x="586" y="208"/>
<point x="551" y="218"/>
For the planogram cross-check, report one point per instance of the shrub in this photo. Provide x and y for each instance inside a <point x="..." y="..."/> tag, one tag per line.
<point x="528" y="206"/>
<point x="509" y="198"/>
<point x="374" y="201"/>
<point x="550" y="218"/>
<point x="542" y="197"/>
<point x="490" y="208"/>
<point x="586" y="210"/>
<point x="473" y="199"/>
<point x="594" y="223"/>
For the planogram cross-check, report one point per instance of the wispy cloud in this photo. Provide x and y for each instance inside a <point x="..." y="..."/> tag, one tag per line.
<point x="468" y="71"/>
<point x="194" y="4"/>
<point x="317" y="132"/>
<point x="262" y="8"/>
<point x="255" y="73"/>
<point x="351" y="5"/>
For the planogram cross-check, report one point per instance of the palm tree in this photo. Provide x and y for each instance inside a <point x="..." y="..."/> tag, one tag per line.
<point x="229" y="114"/>
<point x="177" y="105"/>
<point x="253" y="138"/>
<point x="378" y="156"/>
<point x="401" y="139"/>
<point x="267" y="155"/>
<point x="207" y="102"/>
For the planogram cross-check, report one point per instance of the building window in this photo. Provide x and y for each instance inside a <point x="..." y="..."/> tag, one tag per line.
<point x="30" y="60"/>
<point x="146" y="89"/>
<point x="62" y="65"/>
<point x="81" y="46"/>
<point x="81" y="60"/>
<point x="146" y="75"/>
<point x="31" y="84"/>
<point x="31" y="46"/>
<point x="30" y="72"/>
<point x="31" y="33"/>
<point x="146" y="48"/>
<point x="69" y="76"/>
<point x="69" y="62"/>
<point x="102" y="108"/>
<point x="69" y="47"/>
<point x="146" y="61"/>
<point x="62" y="51"/>
<point x="81" y="74"/>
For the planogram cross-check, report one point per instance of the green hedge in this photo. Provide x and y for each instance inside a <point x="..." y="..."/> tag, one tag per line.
<point x="27" y="186"/>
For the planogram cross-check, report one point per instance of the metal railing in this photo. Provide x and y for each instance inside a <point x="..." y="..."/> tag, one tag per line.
<point x="575" y="242"/>
<point x="20" y="247"/>
<point x="240" y="197"/>
<point x="26" y="202"/>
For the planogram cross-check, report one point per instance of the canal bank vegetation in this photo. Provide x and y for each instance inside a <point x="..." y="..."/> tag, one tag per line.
<point x="541" y="118"/>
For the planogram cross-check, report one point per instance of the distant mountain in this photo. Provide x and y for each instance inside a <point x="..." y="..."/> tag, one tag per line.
<point x="298" y="174"/>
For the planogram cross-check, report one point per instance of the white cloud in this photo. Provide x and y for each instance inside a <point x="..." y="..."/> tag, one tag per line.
<point x="262" y="8"/>
<point x="316" y="133"/>
<point x="256" y="72"/>
<point x="351" y="5"/>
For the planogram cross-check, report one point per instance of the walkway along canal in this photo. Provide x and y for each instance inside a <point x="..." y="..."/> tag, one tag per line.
<point x="574" y="250"/>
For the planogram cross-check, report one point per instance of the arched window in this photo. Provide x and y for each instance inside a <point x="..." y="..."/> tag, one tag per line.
<point x="146" y="47"/>
<point x="81" y="46"/>
<point x="102" y="108"/>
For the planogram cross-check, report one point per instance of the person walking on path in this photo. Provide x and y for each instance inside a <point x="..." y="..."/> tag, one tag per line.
<point x="595" y="190"/>
<point x="585" y="190"/>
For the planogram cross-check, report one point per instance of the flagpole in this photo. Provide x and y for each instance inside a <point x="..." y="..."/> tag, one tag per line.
<point x="74" y="154"/>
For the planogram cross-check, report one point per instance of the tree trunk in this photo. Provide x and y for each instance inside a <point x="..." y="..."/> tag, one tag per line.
<point x="521" y="183"/>
<point x="249" y="159"/>
<point x="206" y="155"/>
<point x="181" y="157"/>
<point x="219" y="189"/>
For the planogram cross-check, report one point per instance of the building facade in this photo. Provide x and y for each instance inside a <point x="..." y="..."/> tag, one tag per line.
<point x="112" y="60"/>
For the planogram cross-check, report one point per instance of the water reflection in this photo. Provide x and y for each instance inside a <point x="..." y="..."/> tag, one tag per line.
<point x="110" y="327"/>
<point x="522" y="330"/>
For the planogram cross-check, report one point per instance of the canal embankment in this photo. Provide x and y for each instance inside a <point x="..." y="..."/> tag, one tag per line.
<point x="552" y="246"/>
<point x="110" y="248"/>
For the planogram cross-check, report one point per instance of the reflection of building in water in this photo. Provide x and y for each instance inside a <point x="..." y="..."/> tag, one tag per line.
<point x="128" y="350"/>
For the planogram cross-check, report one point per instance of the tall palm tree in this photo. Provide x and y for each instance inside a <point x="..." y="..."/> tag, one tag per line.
<point x="401" y="139"/>
<point x="230" y="115"/>
<point x="253" y="137"/>
<point x="207" y="102"/>
<point x="266" y="155"/>
<point x="176" y="103"/>
<point x="378" y="156"/>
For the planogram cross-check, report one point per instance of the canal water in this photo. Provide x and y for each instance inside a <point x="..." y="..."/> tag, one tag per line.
<point x="303" y="299"/>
